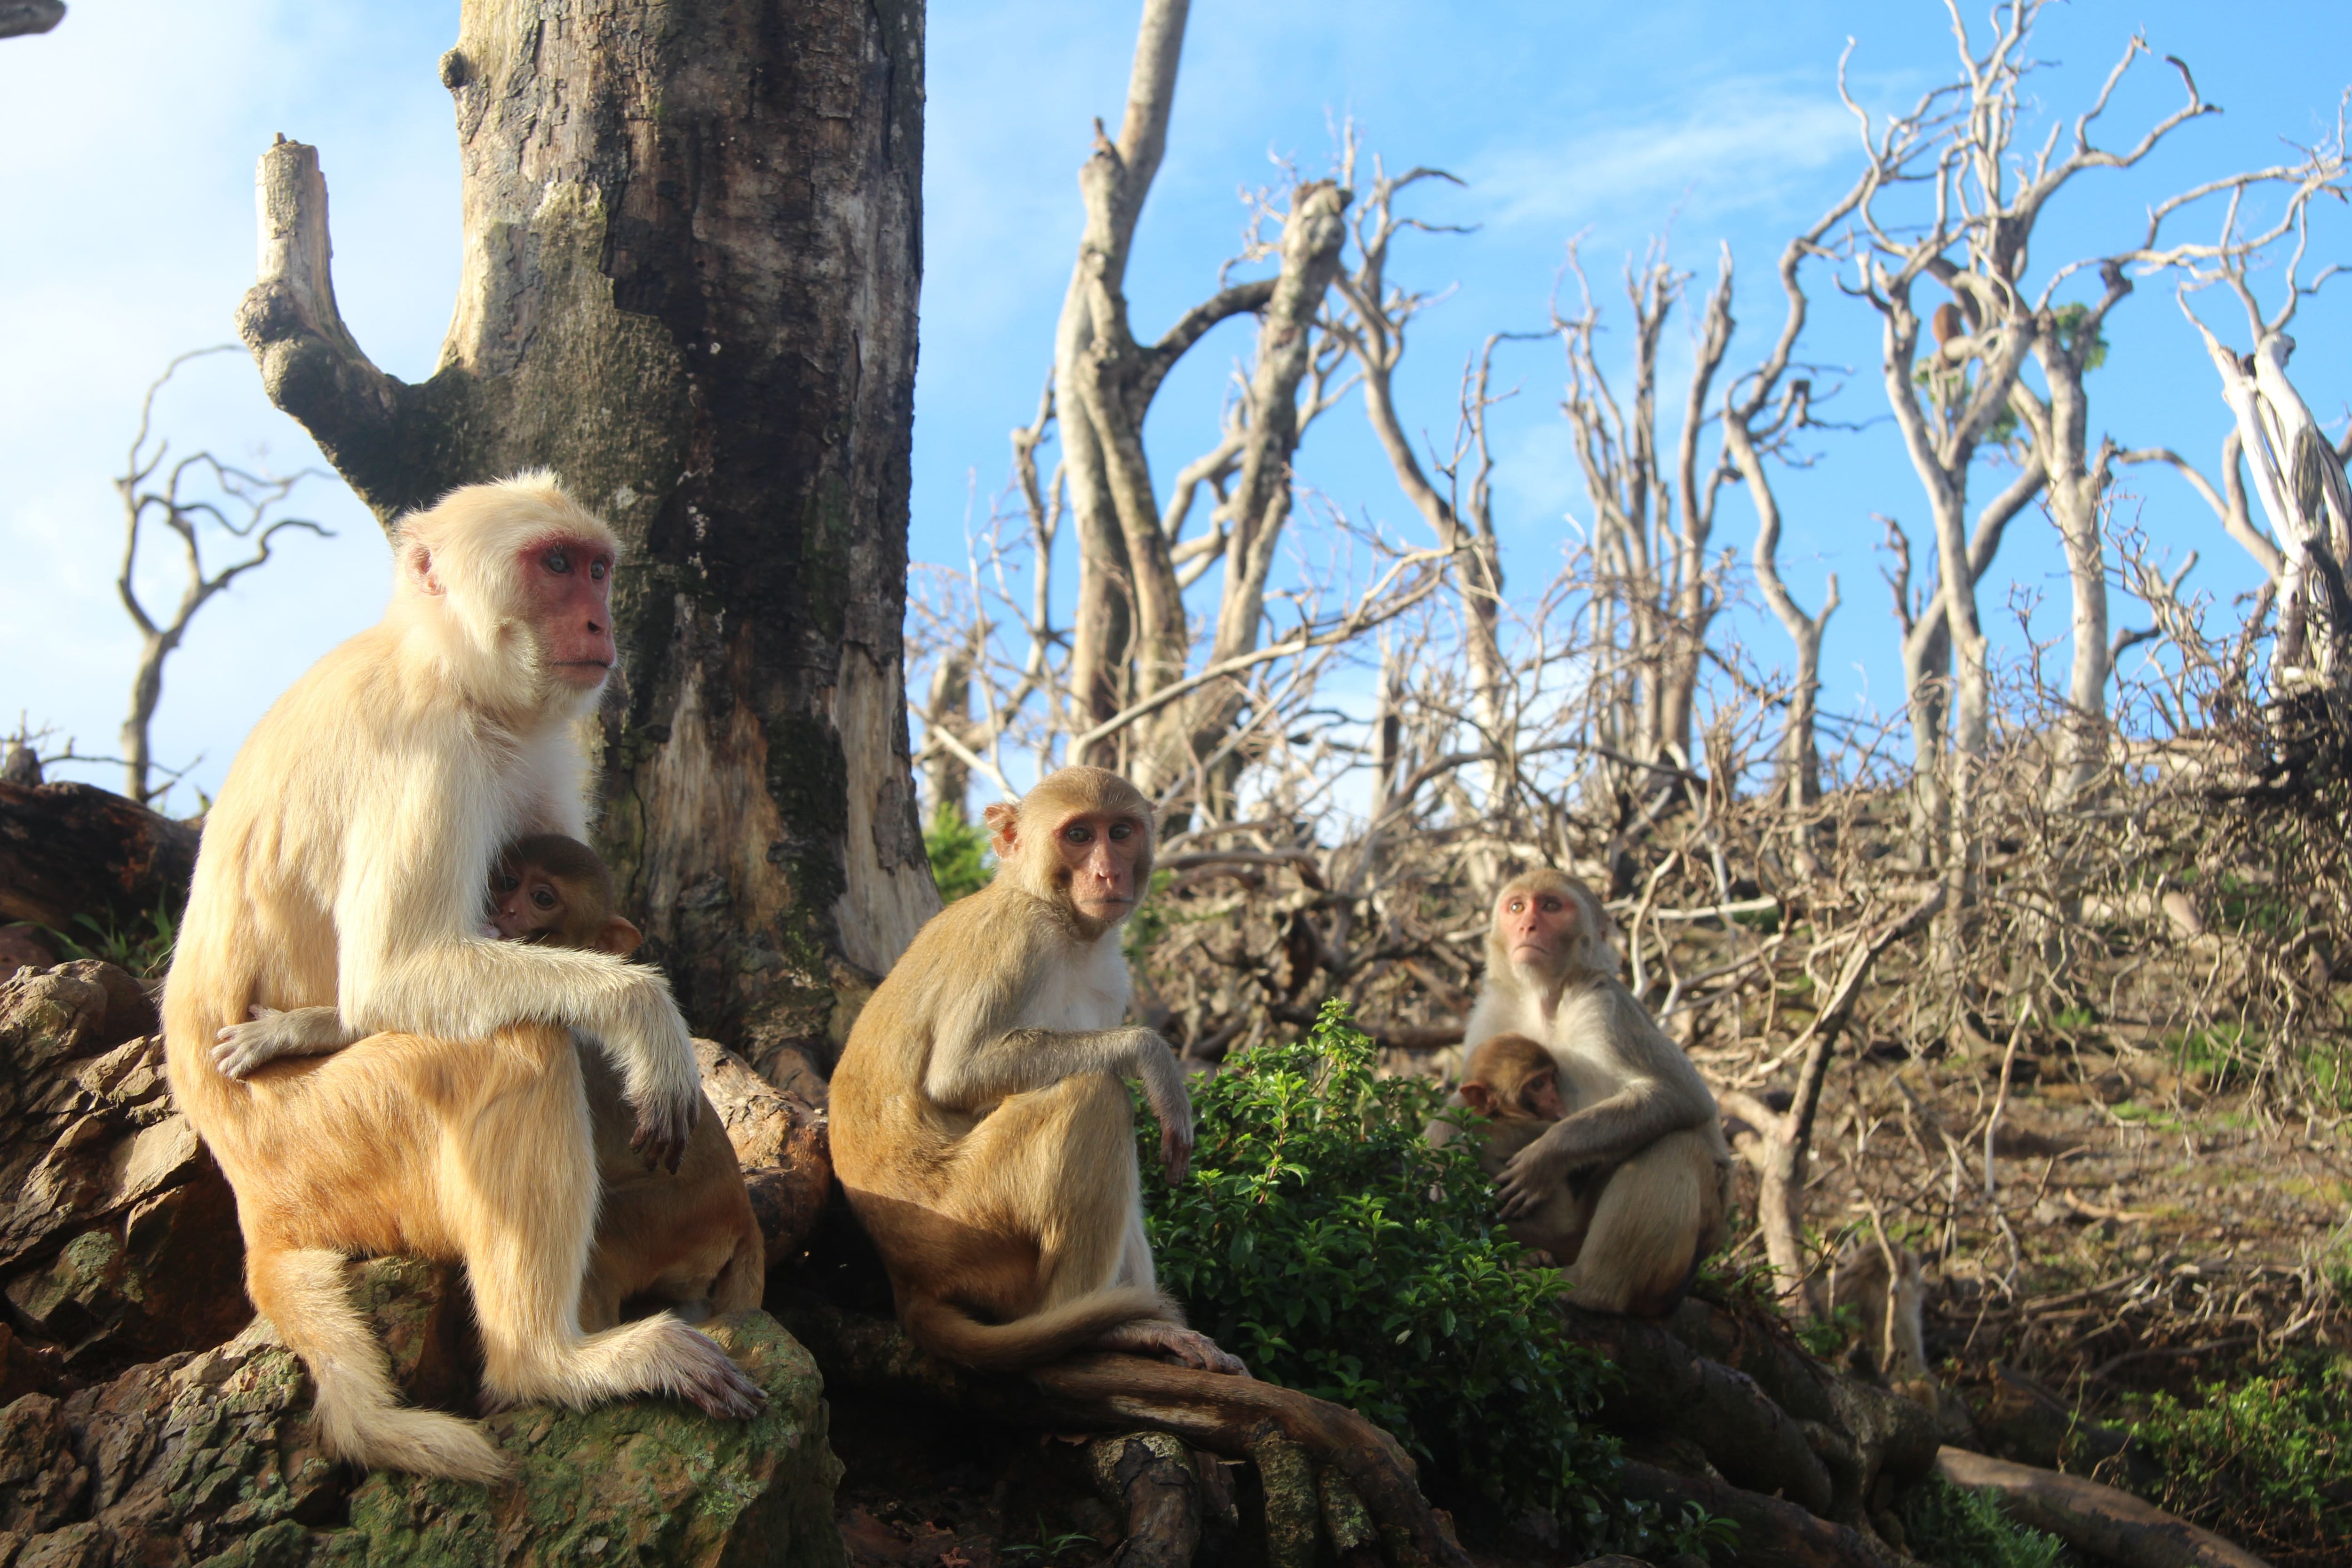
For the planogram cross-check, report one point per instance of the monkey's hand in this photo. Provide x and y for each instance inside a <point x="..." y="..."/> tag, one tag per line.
<point x="665" y="1122"/>
<point x="1534" y="1175"/>
<point x="240" y="1049"/>
<point x="1171" y="1106"/>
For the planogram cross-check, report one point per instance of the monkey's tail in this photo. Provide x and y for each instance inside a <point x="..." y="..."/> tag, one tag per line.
<point x="951" y="1331"/>
<point x="361" y="1418"/>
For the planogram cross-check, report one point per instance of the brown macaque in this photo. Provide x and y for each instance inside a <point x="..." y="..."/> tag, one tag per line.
<point x="1949" y="325"/>
<point x="548" y="888"/>
<point x="687" y="1240"/>
<point x="1513" y="1082"/>
<point x="342" y="866"/>
<point x="1644" y="1139"/>
<point x="980" y="1127"/>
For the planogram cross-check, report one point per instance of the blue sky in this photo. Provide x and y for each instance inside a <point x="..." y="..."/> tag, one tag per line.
<point x="130" y="237"/>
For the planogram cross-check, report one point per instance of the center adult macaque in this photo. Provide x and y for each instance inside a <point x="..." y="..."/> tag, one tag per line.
<point x="979" y="1125"/>
<point x="1644" y="1139"/>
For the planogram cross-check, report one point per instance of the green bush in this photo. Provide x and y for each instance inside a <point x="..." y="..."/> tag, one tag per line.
<point x="2267" y="1461"/>
<point x="1952" y="1527"/>
<point x="1324" y="1242"/>
<point x="960" y="860"/>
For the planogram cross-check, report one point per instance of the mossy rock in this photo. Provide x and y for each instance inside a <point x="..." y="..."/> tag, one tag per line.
<point x="214" y="1458"/>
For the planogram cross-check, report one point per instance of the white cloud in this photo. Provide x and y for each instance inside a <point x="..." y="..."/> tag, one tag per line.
<point x="1737" y="145"/>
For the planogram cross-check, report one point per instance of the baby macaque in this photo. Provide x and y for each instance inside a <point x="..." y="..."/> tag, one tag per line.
<point x="1515" y="1084"/>
<point x="548" y="888"/>
<point x="686" y="1239"/>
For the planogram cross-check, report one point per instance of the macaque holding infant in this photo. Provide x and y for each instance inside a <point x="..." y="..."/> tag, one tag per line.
<point x="1618" y="1169"/>
<point x="687" y="1240"/>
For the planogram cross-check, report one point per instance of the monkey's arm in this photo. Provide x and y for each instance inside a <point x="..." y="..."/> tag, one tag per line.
<point x="408" y="958"/>
<point x="1606" y="1134"/>
<point x="971" y="1075"/>
<point x="270" y="1034"/>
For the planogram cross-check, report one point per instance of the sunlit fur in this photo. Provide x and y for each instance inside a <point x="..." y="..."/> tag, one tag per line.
<point x="980" y="1126"/>
<point x="1644" y="1123"/>
<point x="343" y="864"/>
<point x="1496" y="1083"/>
<point x="688" y="1240"/>
<point x="455" y="606"/>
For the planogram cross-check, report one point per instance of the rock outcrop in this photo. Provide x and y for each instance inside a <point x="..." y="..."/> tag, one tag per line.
<point x="118" y="1234"/>
<point x="212" y="1457"/>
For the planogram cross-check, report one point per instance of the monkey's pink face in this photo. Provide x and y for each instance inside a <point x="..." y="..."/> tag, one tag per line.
<point x="525" y="901"/>
<point x="567" y="588"/>
<point x="1537" y="926"/>
<point x="1098" y="851"/>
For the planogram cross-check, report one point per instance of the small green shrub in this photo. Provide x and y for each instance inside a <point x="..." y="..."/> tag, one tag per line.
<point x="1955" y="1528"/>
<point x="2267" y="1461"/>
<point x="144" y="947"/>
<point x="1321" y="1239"/>
<point x="960" y="860"/>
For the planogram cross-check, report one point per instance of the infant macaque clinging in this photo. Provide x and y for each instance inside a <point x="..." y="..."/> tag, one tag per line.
<point x="1515" y="1084"/>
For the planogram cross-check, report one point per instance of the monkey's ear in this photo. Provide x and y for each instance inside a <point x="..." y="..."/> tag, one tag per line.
<point x="417" y="560"/>
<point x="1479" y="1097"/>
<point x="1002" y="818"/>
<point x="618" y="937"/>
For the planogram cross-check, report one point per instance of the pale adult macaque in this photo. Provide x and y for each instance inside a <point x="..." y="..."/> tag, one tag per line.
<point x="342" y="864"/>
<point x="1513" y="1082"/>
<point x="980" y="1123"/>
<point x="687" y="1240"/>
<point x="1644" y="1132"/>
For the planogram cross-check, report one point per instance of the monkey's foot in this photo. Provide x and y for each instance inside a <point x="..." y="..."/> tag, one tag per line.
<point x="1180" y="1345"/>
<point x="703" y="1376"/>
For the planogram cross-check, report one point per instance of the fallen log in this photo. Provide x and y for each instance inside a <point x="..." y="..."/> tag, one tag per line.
<point x="2092" y="1517"/>
<point x="1232" y="1416"/>
<point x="68" y="849"/>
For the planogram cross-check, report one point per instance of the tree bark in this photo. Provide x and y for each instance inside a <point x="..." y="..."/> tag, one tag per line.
<point x="68" y="849"/>
<point x="692" y="248"/>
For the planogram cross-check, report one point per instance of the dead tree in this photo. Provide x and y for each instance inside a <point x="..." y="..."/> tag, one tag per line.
<point x="2298" y="476"/>
<point x="1461" y="513"/>
<point x="691" y="251"/>
<point x="1956" y="146"/>
<point x="1654" y="593"/>
<point x="234" y="502"/>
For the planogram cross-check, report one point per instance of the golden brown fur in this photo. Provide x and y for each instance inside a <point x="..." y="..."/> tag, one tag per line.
<point x="979" y="1125"/>
<point x="343" y="865"/>
<point x="1513" y="1082"/>
<point x="1644" y="1140"/>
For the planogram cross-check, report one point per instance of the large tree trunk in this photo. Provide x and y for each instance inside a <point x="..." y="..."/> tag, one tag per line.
<point x="691" y="256"/>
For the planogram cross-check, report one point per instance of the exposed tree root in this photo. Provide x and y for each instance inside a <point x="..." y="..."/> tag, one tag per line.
<point x="1669" y="1390"/>
<point x="1327" y="1470"/>
<point x="1772" y="1534"/>
<point x="2095" y="1519"/>
<point x="1154" y="1482"/>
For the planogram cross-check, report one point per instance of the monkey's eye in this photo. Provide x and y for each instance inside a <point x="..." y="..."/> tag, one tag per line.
<point x="558" y="561"/>
<point x="1552" y="906"/>
<point x="1122" y="830"/>
<point x="598" y="570"/>
<point x="543" y="896"/>
<point x="1077" y="833"/>
<point x="506" y="882"/>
